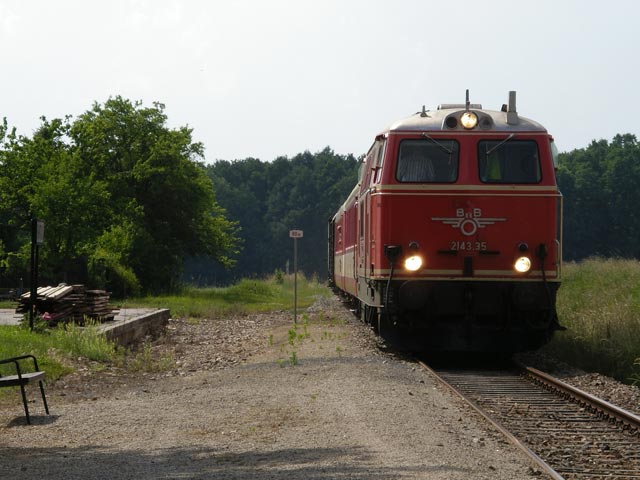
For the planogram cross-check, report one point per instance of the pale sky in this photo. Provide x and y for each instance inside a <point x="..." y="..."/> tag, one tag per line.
<point x="278" y="77"/>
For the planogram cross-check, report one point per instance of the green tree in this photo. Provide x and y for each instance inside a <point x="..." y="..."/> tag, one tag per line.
<point x="125" y="199"/>
<point x="156" y="182"/>
<point x="599" y="185"/>
<point x="621" y="179"/>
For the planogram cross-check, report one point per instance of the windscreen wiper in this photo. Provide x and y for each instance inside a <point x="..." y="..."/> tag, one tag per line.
<point x="449" y="151"/>
<point x="489" y="152"/>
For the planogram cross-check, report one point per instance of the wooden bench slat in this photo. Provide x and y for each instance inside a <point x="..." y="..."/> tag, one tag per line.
<point x="14" y="380"/>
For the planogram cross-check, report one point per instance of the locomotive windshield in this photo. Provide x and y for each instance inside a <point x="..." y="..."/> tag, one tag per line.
<point x="515" y="161"/>
<point x="427" y="161"/>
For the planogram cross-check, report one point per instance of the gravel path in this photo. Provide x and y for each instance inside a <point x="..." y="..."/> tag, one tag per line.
<point x="239" y="404"/>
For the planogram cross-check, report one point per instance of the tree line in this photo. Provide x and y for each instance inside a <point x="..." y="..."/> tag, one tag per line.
<point x="130" y="205"/>
<point x="268" y="199"/>
<point x="599" y="184"/>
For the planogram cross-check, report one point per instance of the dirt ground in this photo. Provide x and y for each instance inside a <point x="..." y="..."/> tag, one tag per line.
<point x="251" y="397"/>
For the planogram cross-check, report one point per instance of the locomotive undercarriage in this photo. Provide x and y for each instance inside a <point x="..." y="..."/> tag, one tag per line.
<point x="465" y="316"/>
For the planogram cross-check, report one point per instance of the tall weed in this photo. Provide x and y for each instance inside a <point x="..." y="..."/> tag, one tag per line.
<point x="84" y="341"/>
<point x="599" y="303"/>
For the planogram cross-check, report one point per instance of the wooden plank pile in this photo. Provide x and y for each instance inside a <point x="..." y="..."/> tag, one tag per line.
<point x="66" y="303"/>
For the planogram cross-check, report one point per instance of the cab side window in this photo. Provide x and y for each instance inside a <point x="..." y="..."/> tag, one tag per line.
<point x="372" y="164"/>
<point x="379" y="160"/>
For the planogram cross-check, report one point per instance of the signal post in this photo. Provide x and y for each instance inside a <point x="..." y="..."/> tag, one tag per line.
<point x="295" y="234"/>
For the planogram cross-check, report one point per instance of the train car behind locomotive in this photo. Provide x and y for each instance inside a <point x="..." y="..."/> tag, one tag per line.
<point x="452" y="236"/>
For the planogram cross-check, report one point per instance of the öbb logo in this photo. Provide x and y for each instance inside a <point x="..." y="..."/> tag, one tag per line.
<point x="468" y="222"/>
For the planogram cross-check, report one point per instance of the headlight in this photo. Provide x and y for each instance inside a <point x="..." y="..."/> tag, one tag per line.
<point x="469" y="120"/>
<point x="522" y="265"/>
<point x="413" y="263"/>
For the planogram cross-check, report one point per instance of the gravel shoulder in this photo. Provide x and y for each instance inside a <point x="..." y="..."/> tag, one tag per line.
<point x="239" y="403"/>
<point x="601" y="386"/>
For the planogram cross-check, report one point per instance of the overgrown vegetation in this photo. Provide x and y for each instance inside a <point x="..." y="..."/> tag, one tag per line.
<point x="55" y="348"/>
<point x="299" y="334"/>
<point x="246" y="296"/>
<point x="599" y="303"/>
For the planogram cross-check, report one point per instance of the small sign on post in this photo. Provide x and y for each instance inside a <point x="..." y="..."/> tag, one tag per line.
<point x="37" y="239"/>
<point x="295" y="234"/>
<point x="39" y="232"/>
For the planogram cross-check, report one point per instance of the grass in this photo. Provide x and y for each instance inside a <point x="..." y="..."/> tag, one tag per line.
<point x="143" y="360"/>
<point x="247" y="296"/>
<point x="54" y="348"/>
<point x="12" y="304"/>
<point x="57" y="349"/>
<point x="599" y="303"/>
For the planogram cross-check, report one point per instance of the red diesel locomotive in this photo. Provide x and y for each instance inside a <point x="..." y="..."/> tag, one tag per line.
<point x="452" y="237"/>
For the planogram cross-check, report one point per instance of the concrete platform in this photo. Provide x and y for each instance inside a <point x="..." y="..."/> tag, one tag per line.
<point x="129" y="325"/>
<point x="135" y="323"/>
<point x="9" y="317"/>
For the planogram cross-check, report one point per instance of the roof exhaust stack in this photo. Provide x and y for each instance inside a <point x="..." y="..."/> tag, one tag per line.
<point x="512" y="113"/>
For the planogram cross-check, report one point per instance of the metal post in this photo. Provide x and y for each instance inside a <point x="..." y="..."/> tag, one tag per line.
<point x="37" y="239"/>
<point x="295" y="234"/>
<point x="33" y="281"/>
<point x="295" y="281"/>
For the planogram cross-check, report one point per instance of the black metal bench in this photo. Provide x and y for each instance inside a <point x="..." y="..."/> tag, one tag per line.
<point x="21" y="379"/>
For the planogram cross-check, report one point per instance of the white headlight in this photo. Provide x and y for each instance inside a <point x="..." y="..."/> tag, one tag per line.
<point x="469" y="120"/>
<point x="522" y="265"/>
<point x="413" y="263"/>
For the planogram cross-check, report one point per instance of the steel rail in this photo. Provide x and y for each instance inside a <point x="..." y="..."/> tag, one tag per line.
<point x="596" y="404"/>
<point x="544" y="466"/>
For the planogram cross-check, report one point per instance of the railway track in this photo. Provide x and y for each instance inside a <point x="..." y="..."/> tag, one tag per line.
<point x="569" y="433"/>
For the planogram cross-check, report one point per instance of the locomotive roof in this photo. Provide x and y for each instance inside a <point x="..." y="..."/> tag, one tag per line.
<point x="434" y="120"/>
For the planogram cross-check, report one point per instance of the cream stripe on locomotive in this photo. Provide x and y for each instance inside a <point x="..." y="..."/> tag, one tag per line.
<point x="458" y="194"/>
<point x="453" y="188"/>
<point x="550" y="274"/>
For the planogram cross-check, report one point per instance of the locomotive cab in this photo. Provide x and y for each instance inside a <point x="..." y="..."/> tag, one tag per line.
<point x="456" y="231"/>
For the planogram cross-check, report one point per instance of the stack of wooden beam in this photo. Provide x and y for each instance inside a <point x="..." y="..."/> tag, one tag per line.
<point x="66" y="303"/>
